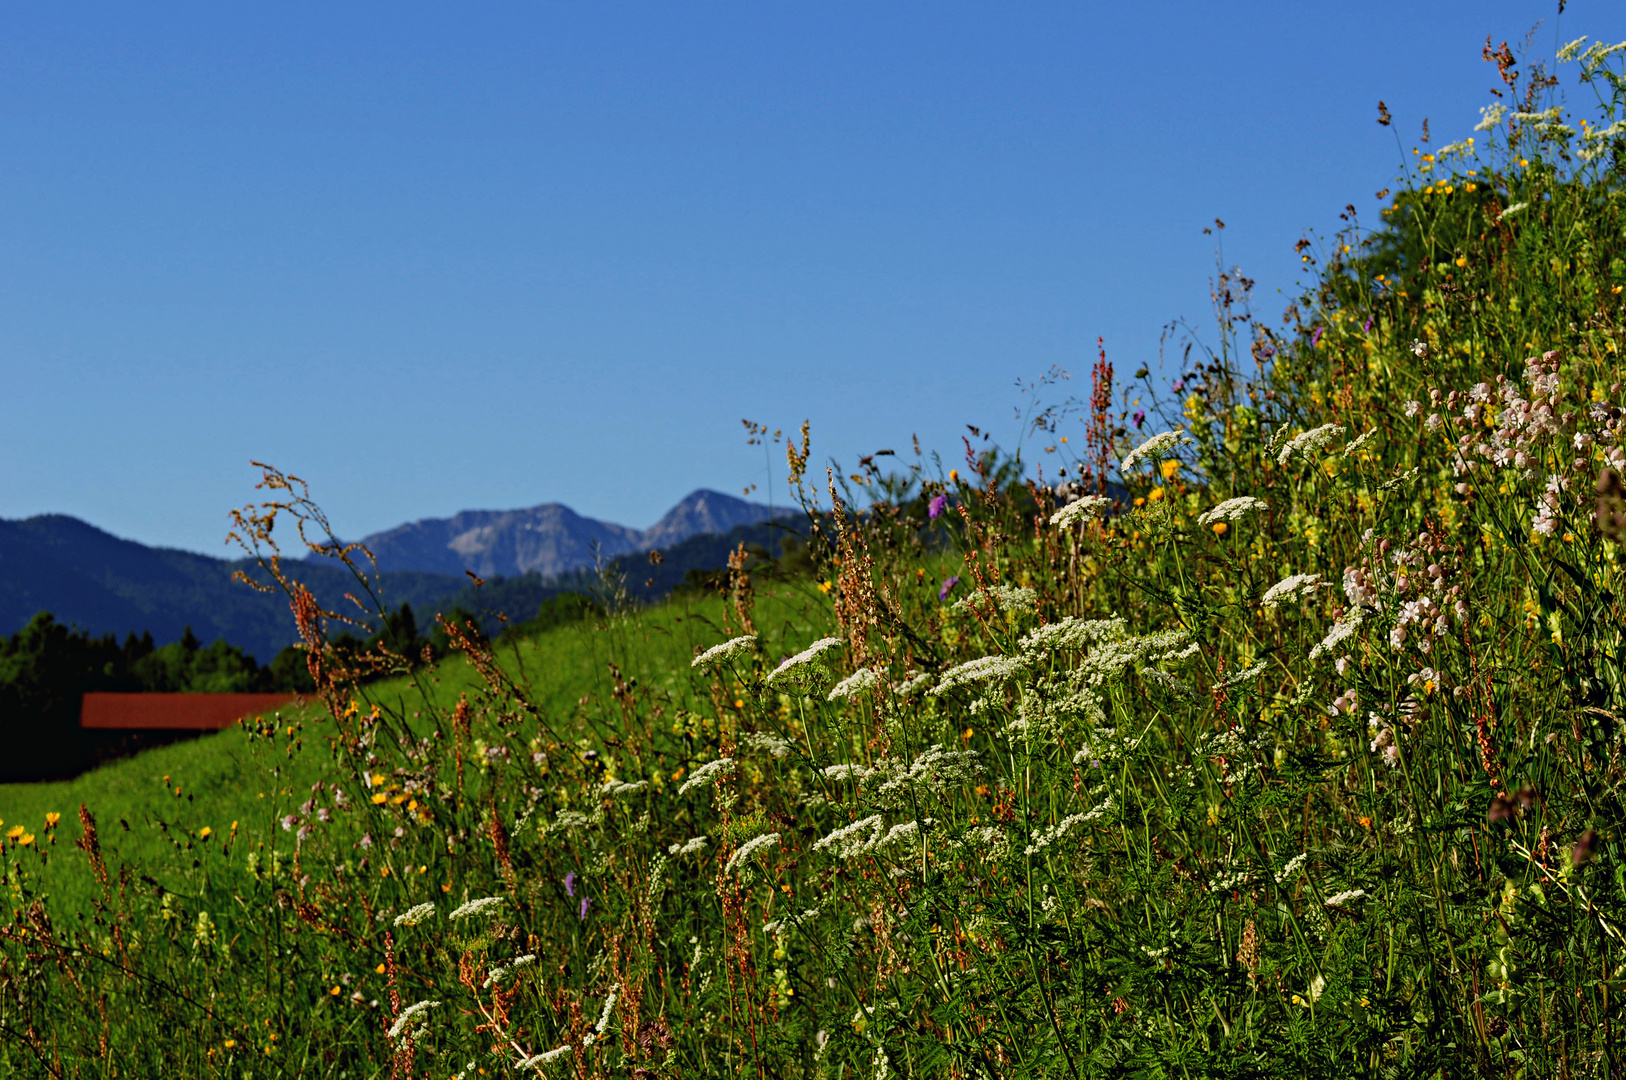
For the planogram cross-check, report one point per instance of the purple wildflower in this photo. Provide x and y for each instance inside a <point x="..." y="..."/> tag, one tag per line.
<point x="1315" y="338"/>
<point x="1179" y="385"/>
<point x="1366" y="327"/>
<point x="1140" y="417"/>
<point x="948" y="587"/>
<point x="570" y="883"/>
<point x="586" y="903"/>
<point x="938" y="504"/>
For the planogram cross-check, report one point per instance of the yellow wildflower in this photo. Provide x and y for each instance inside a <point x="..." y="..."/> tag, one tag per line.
<point x="51" y="819"/>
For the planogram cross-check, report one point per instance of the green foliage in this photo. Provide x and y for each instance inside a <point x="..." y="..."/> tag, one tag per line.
<point x="1297" y="753"/>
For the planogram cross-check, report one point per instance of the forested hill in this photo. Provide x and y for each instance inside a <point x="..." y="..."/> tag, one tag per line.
<point x="102" y="584"/>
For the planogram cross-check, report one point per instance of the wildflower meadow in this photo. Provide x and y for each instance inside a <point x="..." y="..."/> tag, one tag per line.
<point x="1264" y="718"/>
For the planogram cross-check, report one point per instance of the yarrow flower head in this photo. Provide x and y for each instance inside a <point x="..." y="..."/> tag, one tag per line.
<point x="1233" y="509"/>
<point x="414" y="916"/>
<point x="718" y="655"/>
<point x="482" y="906"/>
<point x="1154" y="449"/>
<point x="1289" y="587"/>
<point x="1080" y="509"/>
<point x="859" y="682"/>
<point x="803" y="663"/>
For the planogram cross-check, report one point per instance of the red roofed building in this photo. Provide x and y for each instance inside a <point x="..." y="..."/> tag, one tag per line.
<point x="174" y="712"/>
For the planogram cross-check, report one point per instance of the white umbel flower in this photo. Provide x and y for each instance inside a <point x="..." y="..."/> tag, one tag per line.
<point x="1309" y="442"/>
<point x="718" y="655"/>
<point x="1156" y="448"/>
<point x="859" y="682"/>
<point x="1233" y="509"/>
<point x="478" y="907"/>
<point x="981" y="669"/>
<point x="1289" y="587"/>
<point x="796" y="666"/>
<point x="744" y="852"/>
<point x="414" y="916"/>
<point x="707" y="774"/>
<point x="409" y="1016"/>
<point x="1089" y="506"/>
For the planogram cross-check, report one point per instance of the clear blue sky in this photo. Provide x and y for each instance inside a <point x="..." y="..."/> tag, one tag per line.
<point x="436" y="257"/>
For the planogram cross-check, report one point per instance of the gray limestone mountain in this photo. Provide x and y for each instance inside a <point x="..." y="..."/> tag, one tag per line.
<point x="550" y="539"/>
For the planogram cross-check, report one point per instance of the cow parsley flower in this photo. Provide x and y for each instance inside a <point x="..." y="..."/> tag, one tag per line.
<point x="767" y="740"/>
<point x="501" y="972"/>
<point x="414" y="916"/>
<point x="1291" y="868"/>
<point x="688" y="847"/>
<point x="615" y="789"/>
<point x="707" y="774"/>
<point x="1155" y="449"/>
<point x="1337" y="635"/>
<point x="1491" y="115"/>
<point x="1514" y="209"/>
<point x="1289" y="587"/>
<point x="1232" y="509"/>
<point x="1347" y="897"/>
<point x="1049" y="836"/>
<point x="546" y="1058"/>
<point x="981" y="669"/>
<point x="913" y="686"/>
<point x="1309" y="442"/>
<point x="851" y="840"/>
<point x="859" y="682"/>
<point x="478" y="907"/>
<point x="797" y="667"/>
<point x="1081" y="509"/>
<point x="718" y="655"/>
<point x="748" y="849"/>
<point x="409" y="1016"/>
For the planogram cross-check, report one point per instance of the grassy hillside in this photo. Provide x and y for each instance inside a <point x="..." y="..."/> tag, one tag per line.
<point x="1298" y="754"/>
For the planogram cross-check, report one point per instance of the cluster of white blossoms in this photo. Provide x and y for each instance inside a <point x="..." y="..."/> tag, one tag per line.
<point x="1233" y="510"/>
<point x="503" y="971"/>
<point x="478" y="907"/>
<point x="746" y="850"/>
<point x="767" y="740"/>
<point x="797" y="667"/>
<point x="1288" y="588"/>
<point x="999" y="597"/>
<point x="615" y="789"/>
<point x="688" y="847"/>
<point x="718" y="655"/>
<point x="859" y="682"/>
<point x="979" y="670"/>
<point x="1154" y="449"/>
<point x="414" y="916"/>
<point x="1309" y="442"/>
<point x="855" y="839"/>
<point x="412" y="1016"/>
<point x="1046" y="837"/>
<point x="1081" y="509"/>
<point x="706" y="774"/>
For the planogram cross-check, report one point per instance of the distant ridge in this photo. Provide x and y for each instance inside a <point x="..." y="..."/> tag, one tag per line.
<point x="102" y="584"/>
<point x="551" y="539"/>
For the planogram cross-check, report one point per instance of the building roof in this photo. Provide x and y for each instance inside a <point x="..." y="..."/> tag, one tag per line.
<point x="174" y="712"/>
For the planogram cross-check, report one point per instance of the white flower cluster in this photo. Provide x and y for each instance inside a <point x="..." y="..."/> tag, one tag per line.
<point x="501" y="972"/>
<point x="478" y="907"/>
<point x="912" y="686"/>
<point x="1340" y="632"/>
<point x="414" y="916"/>
<point x="748" y="849"/>
<point x="982" y="669"/>
<point x="615" y="789"/>
<point x="767" y="740"/>
<point x="707" y="774"/>
<point x="547" y="1057"/>
<point x="1000" y="597"/>
<point x="801" y="665"/>
<point x="1289" y="587"/>
<point x="1309" y="442"/>
<point x="410" y="1016"/>
<point x="1233" y="509"/>
<point x="859" y="682"/>
<point x="855" y="839"/>
<point x="936" y="769"/>
<point x="1154" y="449"/>
<point x="1081" y="509"/>
<point x="1349" y="896"/>
<point x="1049" y="836"/>
<point x="1491" y="115"/>
<point x="688" y="847"/>
<point x="1291" y="869"/>
<point x="718" y="655"/>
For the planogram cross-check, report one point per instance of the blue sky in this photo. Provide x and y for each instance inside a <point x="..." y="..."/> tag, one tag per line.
<point x="482" y="255"/>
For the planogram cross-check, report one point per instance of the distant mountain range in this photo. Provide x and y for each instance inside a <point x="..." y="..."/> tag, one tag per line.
<point x="102" y="584"/>
<point x="550" y="539"/>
